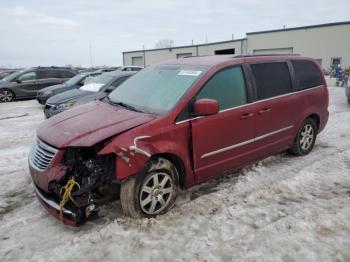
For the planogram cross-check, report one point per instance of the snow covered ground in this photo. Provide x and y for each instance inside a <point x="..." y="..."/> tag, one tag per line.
<point x="283" y="208"/>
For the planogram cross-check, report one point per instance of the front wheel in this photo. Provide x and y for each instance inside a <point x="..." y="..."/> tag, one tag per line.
<point x="152" y="192"/>
<point x="305" y="139"/>
<point x="6" y="95"/>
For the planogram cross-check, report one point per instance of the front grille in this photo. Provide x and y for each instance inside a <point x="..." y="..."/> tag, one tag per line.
<point x="41" y="154"/>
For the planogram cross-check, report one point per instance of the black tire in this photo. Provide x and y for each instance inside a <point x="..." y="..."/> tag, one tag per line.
<point x="133" y="195"/>
<point x="6" y="95"/>
<point x="305" y="139"/>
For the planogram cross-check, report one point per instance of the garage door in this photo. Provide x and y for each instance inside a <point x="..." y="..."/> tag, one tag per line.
<point x="278" y="51"/>
<point x="137" y="61"/>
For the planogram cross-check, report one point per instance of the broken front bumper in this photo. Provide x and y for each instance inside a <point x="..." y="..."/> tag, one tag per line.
<point x="70" y="216"/>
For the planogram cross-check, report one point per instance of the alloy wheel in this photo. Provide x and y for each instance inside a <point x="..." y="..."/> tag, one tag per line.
<point x="306" y="137"/>
<point x="6" y="96"/>
<point x="156" y="192"/>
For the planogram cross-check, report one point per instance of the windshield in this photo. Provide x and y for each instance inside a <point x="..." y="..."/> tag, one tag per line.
<point x="4" y="74"/>
<point x="12" y="76"/>
<point x="156" y="89"/>
<point x="75" y="80"/>
<point x="101" y="79"/>
<point x="96" y="83"/>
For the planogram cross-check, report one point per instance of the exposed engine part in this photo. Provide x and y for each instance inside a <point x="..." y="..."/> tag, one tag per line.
<point x="89" y="209"/>
<point x="89" y="181"/>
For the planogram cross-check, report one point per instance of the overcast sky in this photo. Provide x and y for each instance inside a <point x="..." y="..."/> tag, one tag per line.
<point x="41" y="32"/>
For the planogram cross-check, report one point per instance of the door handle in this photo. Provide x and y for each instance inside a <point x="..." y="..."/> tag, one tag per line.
<point x="246" y="116"/>
<point x="264" y="110"/>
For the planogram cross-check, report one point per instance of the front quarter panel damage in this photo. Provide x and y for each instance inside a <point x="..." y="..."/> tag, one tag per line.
<point x="132" y="157"/>
<point x="135" y="148"/>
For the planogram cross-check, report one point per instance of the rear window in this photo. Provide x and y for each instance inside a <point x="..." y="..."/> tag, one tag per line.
<point x="306" y="75"/>
<point x="271" y="79"/>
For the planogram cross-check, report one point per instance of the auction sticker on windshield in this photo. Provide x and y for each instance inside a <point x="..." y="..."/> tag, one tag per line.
<point x="189" y="73"/>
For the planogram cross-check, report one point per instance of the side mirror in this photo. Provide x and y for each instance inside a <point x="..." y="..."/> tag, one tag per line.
<point x="18" y="81"/>
<point x="109" y="89"/>
<point x="206" y="107"/>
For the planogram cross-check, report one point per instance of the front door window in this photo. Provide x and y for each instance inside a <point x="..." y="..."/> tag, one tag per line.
<point x="27" y="76"/>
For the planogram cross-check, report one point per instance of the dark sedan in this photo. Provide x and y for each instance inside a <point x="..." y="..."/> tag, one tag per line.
<point x="97" y="88"/>
<point x="73" y="83"/>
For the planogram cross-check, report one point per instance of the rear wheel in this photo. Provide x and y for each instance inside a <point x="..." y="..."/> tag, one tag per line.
<point x="6" y="95"/>
<point x="305" y="139"/>
<point x="152" y="192"/>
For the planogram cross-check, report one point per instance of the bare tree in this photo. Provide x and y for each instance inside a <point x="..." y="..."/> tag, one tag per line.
<point x="164" y="43"/>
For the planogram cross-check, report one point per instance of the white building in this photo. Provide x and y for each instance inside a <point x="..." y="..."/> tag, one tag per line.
<point x="328" y="43"/>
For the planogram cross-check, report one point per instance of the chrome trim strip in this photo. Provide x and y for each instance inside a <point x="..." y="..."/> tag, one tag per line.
<point x="227" y="148"/>
<point x="187" y="120"/>
<point x="245" y="142"/>
<point x="256" y="102"/>
<point x="51" y="203"/>
<point x="273" y="133"/>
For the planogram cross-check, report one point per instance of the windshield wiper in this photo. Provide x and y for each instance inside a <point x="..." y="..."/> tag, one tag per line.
<point x="123" y="105"/>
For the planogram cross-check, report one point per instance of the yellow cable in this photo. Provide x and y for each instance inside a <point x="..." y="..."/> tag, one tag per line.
<point x="67" y="195"/>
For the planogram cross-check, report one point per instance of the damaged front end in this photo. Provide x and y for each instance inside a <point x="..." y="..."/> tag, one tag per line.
<point x="89" y="181"/>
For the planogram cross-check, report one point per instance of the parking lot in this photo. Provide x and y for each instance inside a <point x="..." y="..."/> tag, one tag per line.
<point x="281" y="209"/>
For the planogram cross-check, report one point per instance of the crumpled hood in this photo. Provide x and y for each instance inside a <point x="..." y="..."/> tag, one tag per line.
<point x="89" y="124"/>
<point x="67" y="96"/>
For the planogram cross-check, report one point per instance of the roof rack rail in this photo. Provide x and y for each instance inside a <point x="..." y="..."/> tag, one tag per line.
<point x="242" y="56"/>
<point x="189" y="56"/>
<point x="46" y="67"/>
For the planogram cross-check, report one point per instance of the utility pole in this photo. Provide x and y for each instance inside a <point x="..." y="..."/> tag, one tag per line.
<point x="144" y="53"/>
<point x="90" y="52"/>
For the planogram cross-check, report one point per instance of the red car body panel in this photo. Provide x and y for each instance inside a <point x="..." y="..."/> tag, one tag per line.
<point x="220" y="128"/>
<point x="89" y="124"/>
<point x="204" y="147"/>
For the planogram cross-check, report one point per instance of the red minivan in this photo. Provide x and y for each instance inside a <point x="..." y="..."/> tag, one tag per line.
<point x="174" y="125"/>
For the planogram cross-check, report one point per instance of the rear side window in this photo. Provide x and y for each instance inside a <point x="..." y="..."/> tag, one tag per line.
<point x="227" y="87"/>
<point x="66" y="74"/>
<point x="271" y="79"/>
<point x="44" y="74"/>
<point x="306" y="75"/>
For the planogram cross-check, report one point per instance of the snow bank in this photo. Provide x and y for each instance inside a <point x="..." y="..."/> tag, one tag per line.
<point x="283" y="208"/>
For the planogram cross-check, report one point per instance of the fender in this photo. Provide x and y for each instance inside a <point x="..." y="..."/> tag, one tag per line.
<point x="133" y="151"/>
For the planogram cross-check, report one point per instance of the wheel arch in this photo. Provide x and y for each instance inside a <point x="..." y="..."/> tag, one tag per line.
<point x="315" y="117"/>
<point x="9" y="89"/>
<point x="177" y="162"/>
